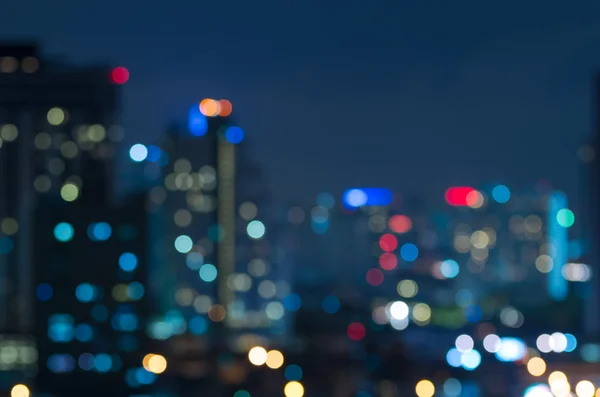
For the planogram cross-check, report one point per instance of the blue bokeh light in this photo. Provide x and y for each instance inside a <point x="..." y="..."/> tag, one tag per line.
<point x="293" y="372"/>
<point x="354" y="198"/>
<point x="183" y="244"/>
<point x="100" y="231"/>
<point x="128" y="261"/>
<point x="103" y="362"/>
<point x="292" y="302"/>
<point x="138" y="152"/>
<point x="84" y="332"/>
<point x="331" y="304"/>
<point x="60" y="328"/>
<point x="135" y="291"/>
<point x="208" y="272"/>
<point x="64" y="232"/>
<point x="255" y="229"/>
<point x="511" y="349"/>
<point x="144" y="377"/>
<point x="234" y="135"/>
<point x="571" y="343"/>
<point x="197" y="122"/>
<point x="60" y="363"/>
<point x="198" y="325"/>
<point x="409" y="252"/>
<point x="85" y="292"/>
<point x="325" y="200"/>
<point x="194" y="260"/>
<point x="470" y="360"/>
<point x="501" y="194"/>
<point x="449" y="268"/>
<point x="454" y="358"/>
<point x="44" y="292"/>
<point x="154" y="153"/>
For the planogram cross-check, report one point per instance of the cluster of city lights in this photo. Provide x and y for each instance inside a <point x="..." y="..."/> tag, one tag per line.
<point x="10" y="64"/>
<point x="213" y="108"/>
<point x="274" y="359"/>
<point x="558" y="383"/>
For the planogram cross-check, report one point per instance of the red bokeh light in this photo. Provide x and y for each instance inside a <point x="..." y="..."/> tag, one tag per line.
<point x="225" y="108"/>
<point x="374" y="277"/>
<point x="388" y="261"/>
<point x="356" y="331"/>
<point x="120" y="75"/>
<point x="400" y="223"/>
<point x="457" y="196"/>
<point x="388" y="242"/>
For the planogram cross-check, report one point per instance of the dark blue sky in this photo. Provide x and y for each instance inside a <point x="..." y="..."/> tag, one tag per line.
<point x="335" y="94"/>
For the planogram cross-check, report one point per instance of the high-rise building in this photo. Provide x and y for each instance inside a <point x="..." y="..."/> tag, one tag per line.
<point x="213" y="244"/>
<point x="56" y="120"/>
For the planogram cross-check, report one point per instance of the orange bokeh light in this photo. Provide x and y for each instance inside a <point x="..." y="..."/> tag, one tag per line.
<point x="225" y="108"/>
<point x="209" y="107"/>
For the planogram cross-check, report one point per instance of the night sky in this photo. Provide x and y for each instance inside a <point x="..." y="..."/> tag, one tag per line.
<point x="337" y="94"/>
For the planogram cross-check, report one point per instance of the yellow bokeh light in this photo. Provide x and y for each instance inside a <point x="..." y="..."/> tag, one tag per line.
<point x="293" y="389"/>
<point x="257" y="355"/>
<point x="56" y="116"/>
<point x="19" y="391"/>
<point x="597" y="393"/>
<point x="585" y="388"/>
<point x="156" y="363"/>
<point x="475" y="199"/>
<point x="425" y="388"/>
<point x="274" y="359"/>
<point x="9" y="132"/>
<point x="146" y="361"/>
<point x="421" y="313"/>
<point x="69" y="192"/>
<point x="9" y="226"/>
<point x="407" y="288"/>
<point x="555" y="376"/>
<point x="536" y="366"/>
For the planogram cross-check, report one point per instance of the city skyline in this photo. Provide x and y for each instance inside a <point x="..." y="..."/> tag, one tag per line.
<point x="300" y="200"/>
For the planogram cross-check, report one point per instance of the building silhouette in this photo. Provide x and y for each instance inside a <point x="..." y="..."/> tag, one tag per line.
<point x="57" y="122"/>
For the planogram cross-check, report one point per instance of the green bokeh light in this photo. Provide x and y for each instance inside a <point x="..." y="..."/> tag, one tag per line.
<point x="565" y="217"/>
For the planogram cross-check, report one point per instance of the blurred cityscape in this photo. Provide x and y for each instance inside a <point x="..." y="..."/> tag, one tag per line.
<point x="194" y="280"/>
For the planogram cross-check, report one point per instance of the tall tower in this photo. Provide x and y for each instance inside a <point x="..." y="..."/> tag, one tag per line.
<point x="55" y="120"/>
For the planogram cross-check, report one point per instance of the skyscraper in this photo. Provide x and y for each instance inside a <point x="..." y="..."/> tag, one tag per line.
<point x="55" y="119"/>
<point x="211" y="225"/>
